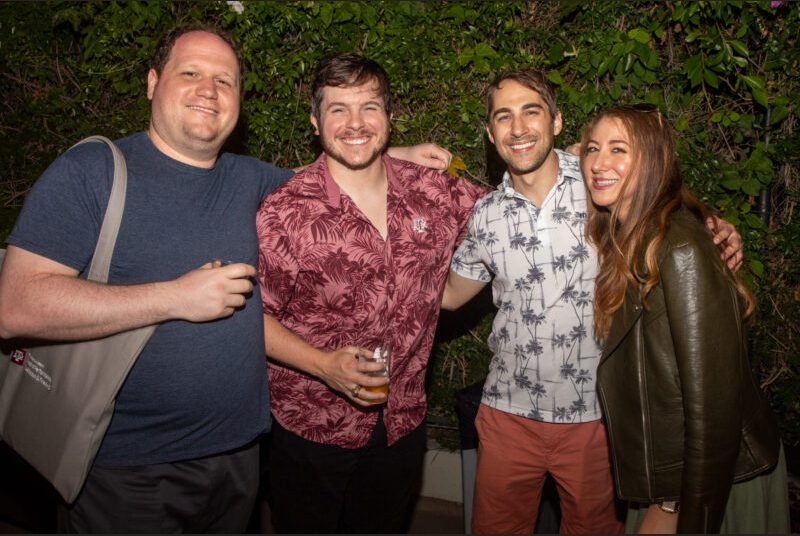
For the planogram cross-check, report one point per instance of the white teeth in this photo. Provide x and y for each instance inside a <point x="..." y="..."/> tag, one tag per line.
<point x="203" y="109"/>
<point x="355" y="141"/>
<point x="525" y="145"/>
<point x="604" y="182"/>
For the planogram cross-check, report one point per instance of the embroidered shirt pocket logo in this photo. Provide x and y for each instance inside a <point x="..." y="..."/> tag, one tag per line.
<point x="420" y="225"/>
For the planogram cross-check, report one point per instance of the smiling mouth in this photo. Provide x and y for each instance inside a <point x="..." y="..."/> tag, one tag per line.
<point x="522" y="146"/>
<point x="203" y="109"/>
<point x="602" y="184"/>
<point x="354" y="141"/>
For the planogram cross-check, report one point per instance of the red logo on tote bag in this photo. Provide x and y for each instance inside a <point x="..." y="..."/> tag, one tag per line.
<point x="18" y="357"/>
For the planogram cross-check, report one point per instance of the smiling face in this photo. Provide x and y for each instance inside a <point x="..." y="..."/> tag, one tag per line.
<point x="353" y="126"/>
<point x="195" y="99"/>
<point x="607" y="165"/>
<point x="521" y="127"/>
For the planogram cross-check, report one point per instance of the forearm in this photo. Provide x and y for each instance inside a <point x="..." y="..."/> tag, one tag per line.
<point x="459" y="290"/>
<point x="289" y="349"/>
<point x="62" y="307"/>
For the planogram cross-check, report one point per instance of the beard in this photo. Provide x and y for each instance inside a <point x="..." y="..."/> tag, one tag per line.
<point x="530" y="163"/>
<point x="332" y="150"/>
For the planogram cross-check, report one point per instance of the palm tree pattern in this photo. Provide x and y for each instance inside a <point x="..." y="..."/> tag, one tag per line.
<point x="542" y="271"/>
<point x="328" y="276"/>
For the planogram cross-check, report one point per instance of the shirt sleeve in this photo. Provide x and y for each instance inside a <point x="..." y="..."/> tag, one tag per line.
<point x="470" y="258"/>
<point x="272" y="177"/>
<point x="277" y="265"/>
<point x="63" y="212"/>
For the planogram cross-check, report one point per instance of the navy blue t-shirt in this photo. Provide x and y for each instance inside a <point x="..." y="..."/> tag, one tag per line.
<point x="196" y="389"/>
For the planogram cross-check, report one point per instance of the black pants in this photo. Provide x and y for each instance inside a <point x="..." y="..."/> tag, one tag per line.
<point x="320" y="488"/>
<point x="213" y="494"/>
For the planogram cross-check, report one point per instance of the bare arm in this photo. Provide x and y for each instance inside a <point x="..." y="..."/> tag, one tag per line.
<point x="340" y="369"/>
<point x="425" y="154"/>
<point x="458" y="290"/>
<point x="41" y="298"/>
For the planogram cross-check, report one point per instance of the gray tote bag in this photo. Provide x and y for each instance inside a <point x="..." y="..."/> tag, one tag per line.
<point x="56" y="400"/>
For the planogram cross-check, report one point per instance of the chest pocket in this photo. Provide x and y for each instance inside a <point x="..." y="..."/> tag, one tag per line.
<point x="431" y="243"/>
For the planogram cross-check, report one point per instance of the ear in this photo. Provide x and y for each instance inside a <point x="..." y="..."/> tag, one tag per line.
<point x="557" y="124"/>
<point x="152" y="80"/>
<point x="489" y="132"/>
<point x="314" y="122"/>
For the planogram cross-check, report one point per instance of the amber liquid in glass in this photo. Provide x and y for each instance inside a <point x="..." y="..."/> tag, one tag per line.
<point x="379" y="389"/>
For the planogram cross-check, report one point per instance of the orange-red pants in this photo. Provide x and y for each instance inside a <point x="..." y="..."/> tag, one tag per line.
<point x="514" y="456"/>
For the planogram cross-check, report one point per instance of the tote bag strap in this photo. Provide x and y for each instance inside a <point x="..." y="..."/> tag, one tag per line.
<point x="101" y="261"/>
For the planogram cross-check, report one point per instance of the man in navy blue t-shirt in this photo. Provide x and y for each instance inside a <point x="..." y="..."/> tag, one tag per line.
<point x="180" y="453"/>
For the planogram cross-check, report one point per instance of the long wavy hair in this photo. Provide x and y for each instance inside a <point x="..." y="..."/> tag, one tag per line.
<point x="658" y="192"/>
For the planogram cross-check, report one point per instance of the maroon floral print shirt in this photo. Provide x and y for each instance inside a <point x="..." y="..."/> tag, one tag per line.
<point x="328" y="276"/>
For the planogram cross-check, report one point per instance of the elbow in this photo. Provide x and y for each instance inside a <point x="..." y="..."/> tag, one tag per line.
<point x="8" y="325"/>
<point x="448" y="305"/>
<point x="13" y="321"/>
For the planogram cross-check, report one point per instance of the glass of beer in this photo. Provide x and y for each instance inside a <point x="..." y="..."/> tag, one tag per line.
<point x="381" y="354"/>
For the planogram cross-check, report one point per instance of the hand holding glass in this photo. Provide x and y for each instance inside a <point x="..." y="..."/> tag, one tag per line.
<point x="380" y="354"/>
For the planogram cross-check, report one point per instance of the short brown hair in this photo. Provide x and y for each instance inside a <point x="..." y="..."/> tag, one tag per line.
<point x="532" y="79"/>
<point x="348" y="70"/>
<point x="167" y="42"/>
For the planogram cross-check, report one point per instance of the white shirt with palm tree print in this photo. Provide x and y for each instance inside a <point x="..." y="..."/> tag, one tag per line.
<point x="542" y="271"/>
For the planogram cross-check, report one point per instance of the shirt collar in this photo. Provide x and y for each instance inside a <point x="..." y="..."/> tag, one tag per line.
<point x="334" y="193"/>
<point x="508" y="190"/>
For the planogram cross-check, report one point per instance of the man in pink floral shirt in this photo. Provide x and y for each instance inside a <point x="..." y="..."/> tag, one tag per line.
<point x="354" y="252"/>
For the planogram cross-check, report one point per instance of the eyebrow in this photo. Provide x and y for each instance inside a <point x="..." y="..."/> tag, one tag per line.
<point x="198" y="67"/>
<point x="375" y="102"/>
<point x="592" y="140"/>
<point x="527" y="106"/>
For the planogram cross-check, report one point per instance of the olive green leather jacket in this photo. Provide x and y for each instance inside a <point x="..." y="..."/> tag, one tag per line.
<point x="685" y="417"/>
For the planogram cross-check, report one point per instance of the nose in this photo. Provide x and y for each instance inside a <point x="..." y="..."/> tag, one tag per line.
<point x="518" y="127"/>
<point x="598" y="161"/>
<point x="207" y="88"/>
<point x="354" y="119"/>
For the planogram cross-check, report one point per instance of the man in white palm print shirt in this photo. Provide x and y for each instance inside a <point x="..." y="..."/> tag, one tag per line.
<point x="542" y="272"/>
<point x="538" y="413"/>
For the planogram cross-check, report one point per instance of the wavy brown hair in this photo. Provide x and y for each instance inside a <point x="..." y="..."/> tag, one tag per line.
<point x="658" y="192"/>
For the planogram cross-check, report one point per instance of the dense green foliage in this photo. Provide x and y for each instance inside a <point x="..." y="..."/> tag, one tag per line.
<point x="725" y="73"/>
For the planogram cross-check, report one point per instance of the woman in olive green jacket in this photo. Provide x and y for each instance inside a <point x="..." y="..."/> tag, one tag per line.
<point x="694" y="444"/>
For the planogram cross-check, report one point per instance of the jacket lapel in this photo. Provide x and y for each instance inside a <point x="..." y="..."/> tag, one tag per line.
<point x="624" y="319"/>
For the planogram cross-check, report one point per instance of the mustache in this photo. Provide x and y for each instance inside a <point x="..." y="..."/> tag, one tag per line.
<point x="363" y="131"/>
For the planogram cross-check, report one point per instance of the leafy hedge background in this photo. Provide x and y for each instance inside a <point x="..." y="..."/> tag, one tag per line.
<point x="725" y="73"/>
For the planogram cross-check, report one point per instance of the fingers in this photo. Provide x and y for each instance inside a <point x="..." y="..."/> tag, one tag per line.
<point x="235" y="270"/>
<point x="734" y="258"/>
<point x="436" y="156"/>
<point x="350" y="376"/>
<point x="362" y="396"/>
<point x="214" y="290"/>
<point x="723" y="234"/>
<point x="445" y="156"/>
